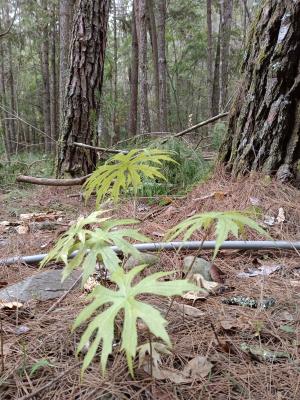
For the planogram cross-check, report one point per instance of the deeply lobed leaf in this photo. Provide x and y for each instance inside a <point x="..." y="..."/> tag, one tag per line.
<point x="124" y="298"/>
<point x="125" y="170"/>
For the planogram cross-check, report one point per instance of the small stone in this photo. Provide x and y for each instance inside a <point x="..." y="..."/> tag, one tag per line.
<point x="144" y="258"/>
<point x="199" y="266"/>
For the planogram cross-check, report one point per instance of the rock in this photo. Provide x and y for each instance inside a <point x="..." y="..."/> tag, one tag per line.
<point x="144" y="258"/>
<point x="42" y="286"/>
<point x="200" y="266"/>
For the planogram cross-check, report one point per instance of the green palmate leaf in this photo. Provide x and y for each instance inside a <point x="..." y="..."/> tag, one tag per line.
<point x="225" y="222"/>
<point x="94" y="245"/>
<point x="101" y="329"/>
<point x="123" y="171"/>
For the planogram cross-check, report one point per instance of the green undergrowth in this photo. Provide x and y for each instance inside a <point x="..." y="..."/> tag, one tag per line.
<point x="35" y="164"/>
<point x="190" y="169"/>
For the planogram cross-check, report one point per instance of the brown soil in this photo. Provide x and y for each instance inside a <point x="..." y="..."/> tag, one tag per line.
<point x="236" y="375"/>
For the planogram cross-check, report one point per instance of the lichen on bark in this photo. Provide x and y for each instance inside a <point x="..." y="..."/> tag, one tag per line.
<point x="264" y="122"/>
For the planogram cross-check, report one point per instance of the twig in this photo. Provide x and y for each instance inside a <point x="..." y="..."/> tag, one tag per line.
<point x="52" y="181"/>
<point x="10" y="25"/>
<point x="1" y="346"/>
<point x="203" y="123"/>
<point x="49" y="384"/>
<point x="103" y="149"/>
<point x="151" y="353"/>
<point x="61" y="298"/>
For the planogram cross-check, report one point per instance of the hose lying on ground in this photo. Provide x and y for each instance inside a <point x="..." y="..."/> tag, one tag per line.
<point x="189" y="245"/>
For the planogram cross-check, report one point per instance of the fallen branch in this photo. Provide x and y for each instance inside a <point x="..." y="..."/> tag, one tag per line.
<point x="203" y="123"/>
<point x="103" y="149"/>
<point x="52" y="182"/>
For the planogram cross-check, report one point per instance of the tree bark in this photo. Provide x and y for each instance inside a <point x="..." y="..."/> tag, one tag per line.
<point x="46" y="78"/>
<point x="134" y="76"/>
<point x="53" y="80"/>
<point x="154" y="39"/>
<point x="209" y="58"/>
<point x="66" y="8"/>
<point x="162" y="65"/>
<point x="264" y="124"/>
<point x="143" y="64"/>
<point x="83" y="87"/>
<point x="226" y="20"/>
<point x="216" y="81"/>
<point x="116" y="129"/>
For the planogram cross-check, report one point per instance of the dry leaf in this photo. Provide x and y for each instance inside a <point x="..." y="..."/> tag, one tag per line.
<point x="188" y="310"/>
<point x="172" y="375"/>
<point x="263" y="270"/>
<point x="12" y="305"/>
<point x="216" y="274"/>
<point x="280" y="217"/>
<point x="22" y="229"/>
<point x="200" y="295"/>
<point x="229" y="324"/>
<point x="90" y="284"/>
<point x="157" y="349"/>
<point x="198" y="367"/>
<point x="203" y="283"/>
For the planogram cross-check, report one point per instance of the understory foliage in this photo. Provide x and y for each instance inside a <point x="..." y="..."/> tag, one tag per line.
<point x="123" y="171"/>
<point x="125" y="298"/>
<point x="225" y="222"/>
<point x="92" y="238"/>
<point x="94" y="245"/>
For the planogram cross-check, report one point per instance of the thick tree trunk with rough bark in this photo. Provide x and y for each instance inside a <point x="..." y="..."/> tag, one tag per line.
<point x="84" y="86"/>
<point x="264" y="124"/>
<point x="134" y="77"/>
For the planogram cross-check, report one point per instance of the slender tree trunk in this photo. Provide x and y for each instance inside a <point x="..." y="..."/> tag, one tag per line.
<point x="264" y="123"/>
<point x="66" y="8"/>
<point x="162" y="65"/>
<point x="134" y="77"/>
<point x="54" y="83"/>
<point x="46" y="79"/>
<point x="143" y="64"/>
<point x="153" y="37"/>
<point x="226" y="20"/>
<point x="4" y="121"/>
<point x="209" y="58"/>
<point x="216" y="81"/>
<point x="116" y="129"/>
<point x="83" y="87"/>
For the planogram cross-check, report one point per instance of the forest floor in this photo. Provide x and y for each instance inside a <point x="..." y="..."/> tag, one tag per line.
<point x="254" y="352"/>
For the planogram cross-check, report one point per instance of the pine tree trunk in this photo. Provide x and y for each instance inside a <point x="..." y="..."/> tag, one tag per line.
<point x="209" y="58"/>
<point x="134" y="77"/>
<point x="53" y="81"/>
<point x="216" y="82"/>
<point x="162" y="65"/>
<point x="116" y="129"/>
<point x="153" y="37"/>
<point x="143" y="64"/>
<point x="84" y="87"/>
<point x="226" y="18"/>
<point x="46" y="79"/>
<point x="4" y="120"/>
<point x="264" y="124"/>
<point x="65" y="30"/>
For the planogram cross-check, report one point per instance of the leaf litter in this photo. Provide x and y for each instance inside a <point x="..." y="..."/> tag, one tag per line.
<point x="191" y="336"/>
